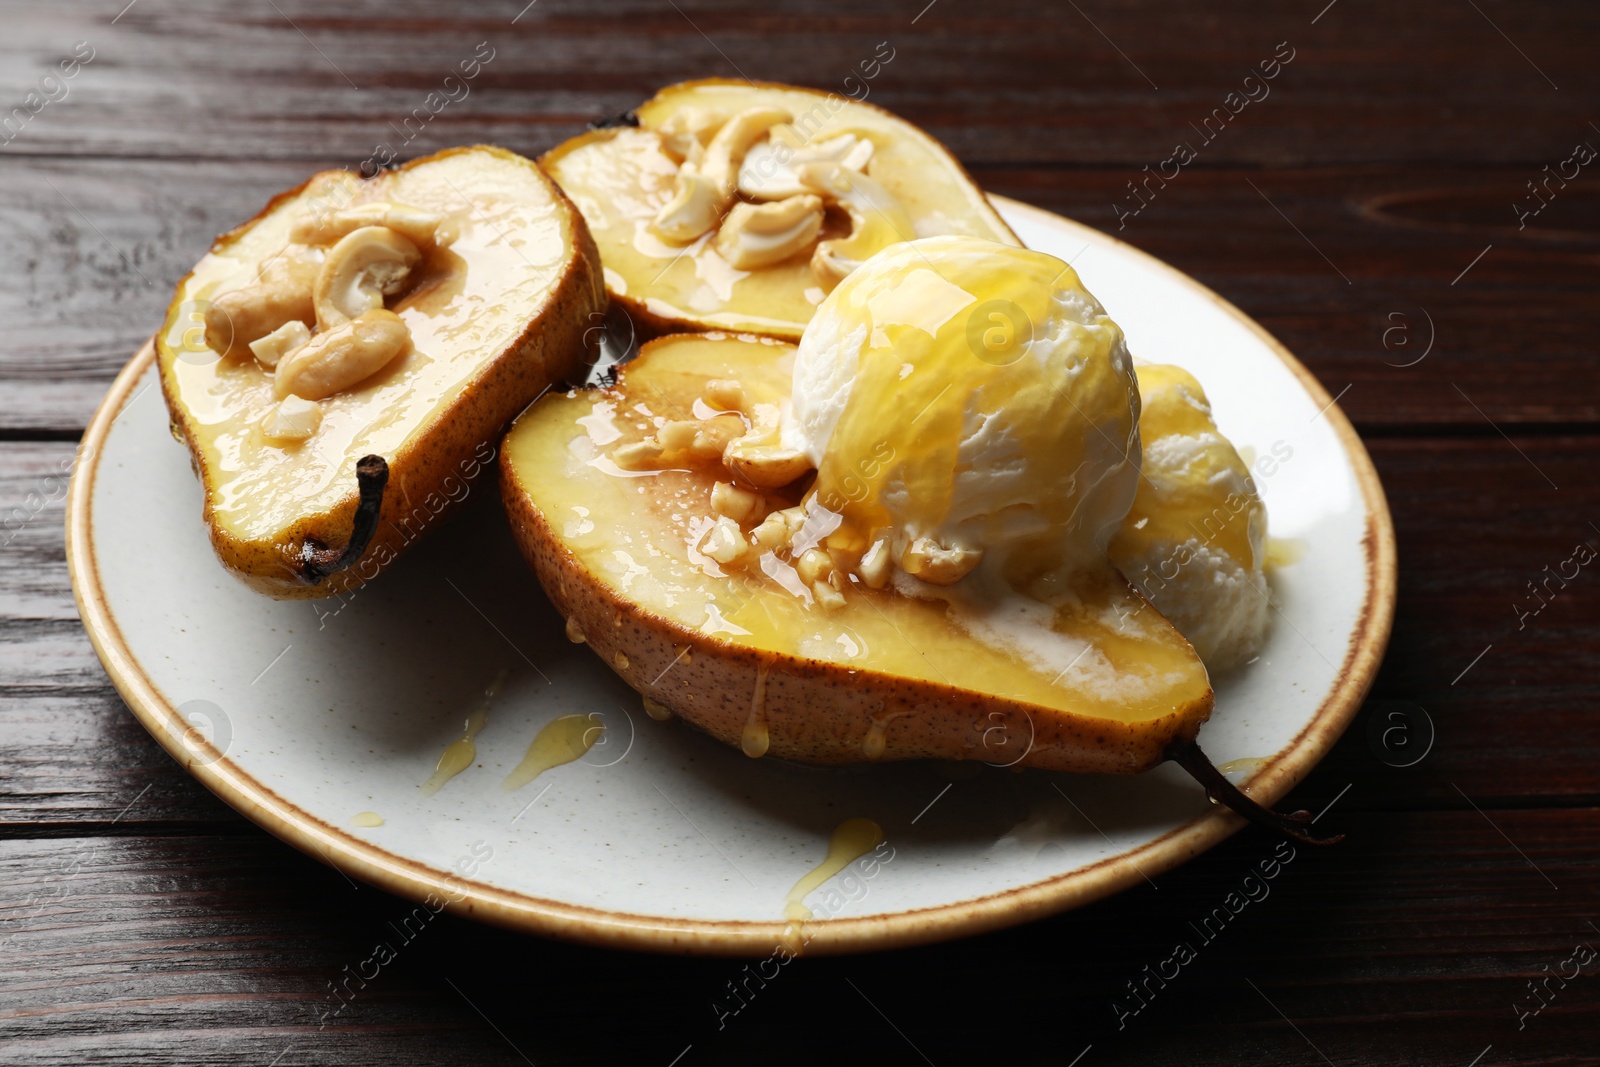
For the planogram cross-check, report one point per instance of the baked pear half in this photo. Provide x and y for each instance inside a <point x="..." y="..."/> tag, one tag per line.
<point x="893" y="540"/>
<point x="738" y="206"/>
<point x="342" y="365"/>
<point x="699" y="589"/>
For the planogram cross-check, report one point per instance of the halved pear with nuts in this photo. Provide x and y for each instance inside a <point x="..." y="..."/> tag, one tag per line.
<point x="342" y="365"/>
<point x="703" y="588"/>
<point x="737" y="206"/>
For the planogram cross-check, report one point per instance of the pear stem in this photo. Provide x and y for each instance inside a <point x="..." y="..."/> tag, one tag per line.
<point x="1297" y="825"/>
<point x="318" y="561"/>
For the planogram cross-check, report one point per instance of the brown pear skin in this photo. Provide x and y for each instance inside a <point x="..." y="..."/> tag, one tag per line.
<point x="819" y="712"/>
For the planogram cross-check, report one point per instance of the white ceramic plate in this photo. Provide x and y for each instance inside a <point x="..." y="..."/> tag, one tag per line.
<point x="303" y="714"/>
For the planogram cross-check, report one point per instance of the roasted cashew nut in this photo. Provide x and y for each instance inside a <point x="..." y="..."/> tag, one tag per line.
<point x="939" y="564"/>
<point x="286" y="340"/>
<point x="876" y="563"/>
<point x="754" y="236"/>
<point x="764" y="466"/>
<point x="768" y="169"/>
<point x="705" y="190"/>
<point x="280" y="293"/>
<point x="365" y="266"/>
<point x="693" y="210"/>
<point x="685" y="133"/>
<point x="292" y="419"/>
<point x="340" y="357"/>
<point x="877" y="219"/>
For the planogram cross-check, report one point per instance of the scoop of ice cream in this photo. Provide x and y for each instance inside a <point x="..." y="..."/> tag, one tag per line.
<point x="1194" y="541"/>
<point x="968" y="398"/>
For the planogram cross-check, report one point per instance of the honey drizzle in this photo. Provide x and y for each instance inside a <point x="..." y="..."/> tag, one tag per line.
<point x="851" y="840"/>
<point x="755" y="738"/>
<point x="459" y="754"/>
<point x="559" y="741"/>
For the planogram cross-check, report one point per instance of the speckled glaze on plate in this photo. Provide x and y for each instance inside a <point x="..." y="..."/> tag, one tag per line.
<point x="305" y="715"/>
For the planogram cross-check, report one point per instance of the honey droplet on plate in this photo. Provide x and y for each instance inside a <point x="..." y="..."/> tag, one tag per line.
<point x="366" y="819"/>
<point x="851" y="840"/>
<point x="560" y="741"/>
<point x="459" y="754"/>
<point x="657" y="710"/>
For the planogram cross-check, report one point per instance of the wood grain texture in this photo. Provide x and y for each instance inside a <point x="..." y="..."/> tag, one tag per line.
<point x="144" y="922"/>
<point x="1001" y="82"/>
<point x="231" y="947"/>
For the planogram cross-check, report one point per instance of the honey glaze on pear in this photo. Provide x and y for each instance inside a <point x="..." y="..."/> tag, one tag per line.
<point x="494" y="311"/>
<point x="774" y="669"/>
<point x="737" y="205"/>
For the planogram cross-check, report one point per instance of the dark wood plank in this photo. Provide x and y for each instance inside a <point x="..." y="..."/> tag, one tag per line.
<point x="1423" y="927"/>
<point x="1372" y="277"/>
<point x="1513" y="727"/>
<point x="34" y="477"/>
<point x="72" y="753"/>
<point x="103" y="244"/>
<point x="1002" y="82"/>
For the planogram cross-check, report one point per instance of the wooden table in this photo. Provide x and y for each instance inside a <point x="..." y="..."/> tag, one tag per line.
<point x="1373" y="209"/>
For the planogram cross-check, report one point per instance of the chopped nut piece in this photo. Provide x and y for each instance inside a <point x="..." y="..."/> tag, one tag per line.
<point x="724" y="542"/>
<point x="724" y="394"/>
<point x="772" y="535"/>
<point x="827" y="596"/>
<point x="636" y="455"/>
<point x="936" y="564"/>
<point x="339" y="358"/>
<point x="292" y="419"/>
<point x="715" y="435"/>
<point x="686" y="131"/>
<point x="876" y="564"/>
<point x="678" y="435"/>
<point x="813" y="566"/>
<point x="793" y="518"/>
<point x="737" y="504"/>
<point x="364" y="267"/>
<point x="754" y="236"/>
<point x="284" y="341"/>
